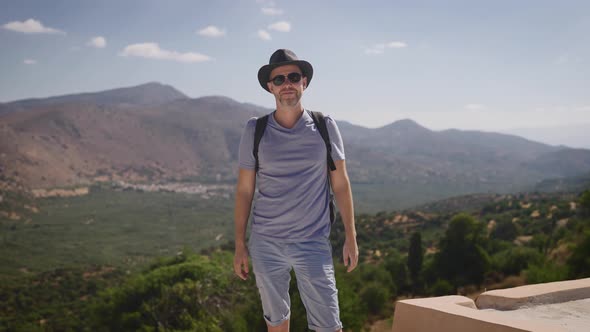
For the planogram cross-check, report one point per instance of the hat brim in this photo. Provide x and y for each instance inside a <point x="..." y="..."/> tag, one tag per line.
<point x="264" y="71"/>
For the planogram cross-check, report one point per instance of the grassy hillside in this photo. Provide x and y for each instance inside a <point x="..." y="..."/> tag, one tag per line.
<point x="126" y="229"/>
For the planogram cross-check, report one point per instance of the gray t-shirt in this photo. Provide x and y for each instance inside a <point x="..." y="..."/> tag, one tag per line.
<point x="291" y="203"/>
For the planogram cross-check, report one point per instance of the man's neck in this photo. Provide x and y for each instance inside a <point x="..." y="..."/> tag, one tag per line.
<point x="288" y="116"/>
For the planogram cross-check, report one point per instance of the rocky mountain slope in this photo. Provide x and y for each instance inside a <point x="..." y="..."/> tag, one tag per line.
<point x="154" y="133"/>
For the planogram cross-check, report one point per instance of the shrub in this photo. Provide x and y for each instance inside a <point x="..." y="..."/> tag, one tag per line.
<point x="579" y="261"/>
<point x="512" y="261"/>
<point x="505" y="230"/>
<point x="441" y="287"/>
<point x="375" y="296"/>
<point x="546" y="272"/>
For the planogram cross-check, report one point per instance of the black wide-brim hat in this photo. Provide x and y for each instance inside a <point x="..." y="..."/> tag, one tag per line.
<point x="283" y="57"/>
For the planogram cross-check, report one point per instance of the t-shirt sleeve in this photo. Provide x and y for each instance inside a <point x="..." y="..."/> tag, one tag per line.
<point x="335" y="139"/>
<point x="245" y="155"/>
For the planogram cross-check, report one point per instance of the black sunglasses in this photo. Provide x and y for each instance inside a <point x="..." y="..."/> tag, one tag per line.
<point x="280" y="79"/>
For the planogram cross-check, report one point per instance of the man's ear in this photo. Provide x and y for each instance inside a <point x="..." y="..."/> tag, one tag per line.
<point x="269" y="85"/>
<point x="304" y="83"/>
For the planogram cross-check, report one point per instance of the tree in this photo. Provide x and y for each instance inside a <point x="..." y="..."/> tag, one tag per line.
<point x="505" y="230"/>
<point x="375" y="296"/>
<point x="579" y="261"/>
<point x="415" y="258"/>
<point x="353" y="311"/>
<point x="396" y="265"/>
<point x="461" y="258"/>
<point x="513" y="260"/>
<point x="540" y="242"/>
<point x="441" y="287"/>
<point x="585" y="200"/>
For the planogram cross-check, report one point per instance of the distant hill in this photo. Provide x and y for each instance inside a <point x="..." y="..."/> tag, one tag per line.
<point x="142" y="95"/>
<point x="565" y="184"/>
<point x="564" y="162"/>
<point x="450" y="162"/>
<point x="573" y="135"/>
<point x="72" y="143"/>
<point x="154" y="133"/>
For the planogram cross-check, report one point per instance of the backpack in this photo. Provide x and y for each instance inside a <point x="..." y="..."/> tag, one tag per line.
<point x="320" y="123"/>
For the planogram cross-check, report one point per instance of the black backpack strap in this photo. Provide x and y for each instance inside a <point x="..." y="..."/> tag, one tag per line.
<point x="320" y="123"/>
<point x="258" y="132"/>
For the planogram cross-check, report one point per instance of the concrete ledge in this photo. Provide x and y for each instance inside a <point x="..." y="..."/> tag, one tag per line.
<point x="457" y="314"/>
<point x="530" y="295"/>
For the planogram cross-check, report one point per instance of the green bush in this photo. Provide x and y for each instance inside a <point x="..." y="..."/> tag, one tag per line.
<point x="397" y="279"/>
<point x="441" y="287"/>
<point x="540" y="242"/>
<point x="353" y="312"/>
<point x="512" y="261"/>
<point x="375" y="297"/>
<point x="181" y="296"/>
<point x="545" y="272"/>
<point x="579" y="261"/>
<point x="505" y="230"/>
<point x="585" y="200"/>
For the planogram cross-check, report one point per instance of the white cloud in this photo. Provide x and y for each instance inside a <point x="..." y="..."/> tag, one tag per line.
<point x="30" y="62"/>
<point x="211" y="31"/>
<point x="373" y="51"/>
<point x="281" y="26"/>
<point x="269" y="11"/>
<point x="381" y="47"/>
<point x="98" y="42"/>
<point x="474" y="107"/>
<point x="153" y="51"/>
<point x="30" y="26"/>
<point x="396" y="44"/>
<point x="264" y="35"/>
<point x="562" y="59"/>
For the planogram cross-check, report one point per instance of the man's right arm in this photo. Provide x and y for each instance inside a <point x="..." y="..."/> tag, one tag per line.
<point x="244" y="194"/>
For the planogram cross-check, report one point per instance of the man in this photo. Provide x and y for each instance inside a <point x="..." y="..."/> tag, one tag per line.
<point x="291" y="217"/>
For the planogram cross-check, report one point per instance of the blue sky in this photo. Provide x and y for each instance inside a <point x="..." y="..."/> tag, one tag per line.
<point x="485" y="65"/>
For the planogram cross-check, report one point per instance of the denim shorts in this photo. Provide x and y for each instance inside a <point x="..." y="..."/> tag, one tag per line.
<point x="312" y="261"/>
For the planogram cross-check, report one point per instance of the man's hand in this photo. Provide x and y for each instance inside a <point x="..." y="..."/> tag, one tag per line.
<point x="350" y="253"/>
<point x="241" y="262"/>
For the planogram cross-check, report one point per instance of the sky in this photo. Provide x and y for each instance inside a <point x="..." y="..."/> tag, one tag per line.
<point x="506" y="66"/>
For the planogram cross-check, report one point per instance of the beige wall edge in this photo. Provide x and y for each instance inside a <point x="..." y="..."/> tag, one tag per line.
<point x="553" y="292"/>
<point x="457" y="314"/>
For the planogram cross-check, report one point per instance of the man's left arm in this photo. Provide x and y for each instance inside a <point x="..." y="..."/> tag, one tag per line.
<point x="342" y="192"/>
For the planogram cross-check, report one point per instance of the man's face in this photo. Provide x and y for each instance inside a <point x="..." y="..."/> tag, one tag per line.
<point x="288" y="93"/>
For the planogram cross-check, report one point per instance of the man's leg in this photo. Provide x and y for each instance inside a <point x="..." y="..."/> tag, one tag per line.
<point x="284" y="327"/>
<point x="273" y="274"/>
<point x="316" y="281"/>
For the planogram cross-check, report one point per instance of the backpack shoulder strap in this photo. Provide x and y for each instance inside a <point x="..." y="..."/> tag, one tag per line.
<point x="258" y="132"/>
<point x="320" y="122"/>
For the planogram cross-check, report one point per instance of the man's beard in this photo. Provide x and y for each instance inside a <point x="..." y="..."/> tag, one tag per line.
<point x="291" y="99"/>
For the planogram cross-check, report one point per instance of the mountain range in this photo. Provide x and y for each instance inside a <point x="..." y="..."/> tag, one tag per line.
<point x="154" y="133"/>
